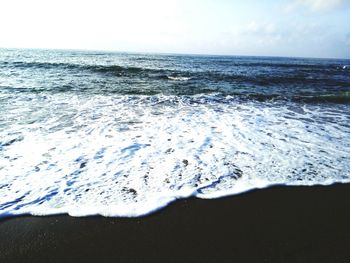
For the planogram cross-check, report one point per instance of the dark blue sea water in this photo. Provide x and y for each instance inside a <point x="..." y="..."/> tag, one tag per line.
<point x="122" y="134"/>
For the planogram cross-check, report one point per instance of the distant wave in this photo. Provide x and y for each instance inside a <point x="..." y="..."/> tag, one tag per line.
<point x="72" y="66"/>
<point x="326" y="86"/>
<point x="132" y="69"/>
<point x="115" y="70"/>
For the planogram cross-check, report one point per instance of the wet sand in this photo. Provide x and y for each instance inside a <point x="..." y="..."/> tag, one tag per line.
<point x="279" y="224"/>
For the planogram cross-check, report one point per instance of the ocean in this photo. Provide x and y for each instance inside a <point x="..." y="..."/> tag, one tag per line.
<point x="120" y="134"/>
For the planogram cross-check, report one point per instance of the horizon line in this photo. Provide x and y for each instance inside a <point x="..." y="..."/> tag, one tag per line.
<point x="169" y="53"/>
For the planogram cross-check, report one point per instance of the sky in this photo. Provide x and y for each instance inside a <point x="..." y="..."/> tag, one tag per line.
<point x="295" y="28"/>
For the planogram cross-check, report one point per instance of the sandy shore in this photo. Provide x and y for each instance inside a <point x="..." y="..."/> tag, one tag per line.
<point x="280" y="224"/>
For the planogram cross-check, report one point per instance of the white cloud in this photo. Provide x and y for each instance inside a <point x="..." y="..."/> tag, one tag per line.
<point x="257" y="28"/>
<point x="321" y="5"/>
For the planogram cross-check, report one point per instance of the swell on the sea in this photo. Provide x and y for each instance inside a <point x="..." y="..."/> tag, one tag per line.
<point x="247" y="80"/>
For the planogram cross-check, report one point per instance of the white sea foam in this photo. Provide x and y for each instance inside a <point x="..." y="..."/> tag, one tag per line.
<point x="179" y="78"/>
<point x="129" y="156"/>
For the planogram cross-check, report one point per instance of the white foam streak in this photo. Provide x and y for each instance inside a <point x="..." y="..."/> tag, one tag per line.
<point x="178" y="78"/>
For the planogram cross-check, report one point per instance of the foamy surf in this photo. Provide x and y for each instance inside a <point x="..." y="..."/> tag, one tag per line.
<point x="129" y="156"/>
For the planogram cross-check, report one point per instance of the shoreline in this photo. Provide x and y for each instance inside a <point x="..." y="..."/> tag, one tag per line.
<point x="276" y="224"/>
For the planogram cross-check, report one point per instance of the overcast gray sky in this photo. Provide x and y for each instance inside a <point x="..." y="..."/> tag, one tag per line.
<point x="307" y="28"/>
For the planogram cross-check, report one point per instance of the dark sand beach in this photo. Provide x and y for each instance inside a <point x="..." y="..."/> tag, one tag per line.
<point x="279" y="224"/>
